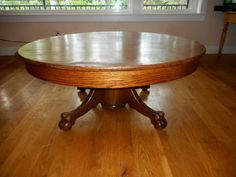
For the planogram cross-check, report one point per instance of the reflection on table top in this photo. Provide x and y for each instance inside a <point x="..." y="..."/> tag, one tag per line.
<point x="111" y="49"/>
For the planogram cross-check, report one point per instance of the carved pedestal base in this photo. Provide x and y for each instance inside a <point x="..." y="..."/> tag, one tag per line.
<point x="112" y="99"/>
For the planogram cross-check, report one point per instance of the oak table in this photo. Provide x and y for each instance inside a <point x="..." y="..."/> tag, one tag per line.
<point x="112" y="65"/>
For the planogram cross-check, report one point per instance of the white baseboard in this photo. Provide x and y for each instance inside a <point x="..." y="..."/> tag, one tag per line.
<point x="226" y="49"/>
<point x="6" y="51"/>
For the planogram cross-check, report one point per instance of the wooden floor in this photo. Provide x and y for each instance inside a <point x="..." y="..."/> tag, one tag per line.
<point x="200" y="140"/>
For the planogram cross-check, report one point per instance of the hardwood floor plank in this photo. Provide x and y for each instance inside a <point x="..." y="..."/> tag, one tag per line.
<point x="37" y="129"/>
<point x="7" y="60"/>
<point x="10" y="70"/>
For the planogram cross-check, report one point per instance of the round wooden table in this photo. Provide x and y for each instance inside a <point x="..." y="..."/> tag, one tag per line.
<point x="112" y="65"/>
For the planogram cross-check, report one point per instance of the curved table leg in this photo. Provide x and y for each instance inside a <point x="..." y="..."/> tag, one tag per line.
<point x="68" y="118"/>
<point x="112" y="99"/>
<point x="157" y="117"/>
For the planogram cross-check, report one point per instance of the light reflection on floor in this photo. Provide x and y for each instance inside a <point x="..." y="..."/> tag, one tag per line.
<point x="5" y="102"/>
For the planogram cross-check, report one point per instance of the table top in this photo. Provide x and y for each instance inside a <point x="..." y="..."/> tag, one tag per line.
<point x="103" y="52"/>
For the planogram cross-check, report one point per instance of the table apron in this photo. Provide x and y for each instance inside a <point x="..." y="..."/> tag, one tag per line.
<point x="111" y="79"/>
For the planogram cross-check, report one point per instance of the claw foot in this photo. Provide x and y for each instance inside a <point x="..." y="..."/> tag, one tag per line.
<point x="65" y="123"/>
<point x="160" y="121"/>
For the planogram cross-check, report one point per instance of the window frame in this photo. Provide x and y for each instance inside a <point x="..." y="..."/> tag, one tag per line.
<point x="134" y="14"/>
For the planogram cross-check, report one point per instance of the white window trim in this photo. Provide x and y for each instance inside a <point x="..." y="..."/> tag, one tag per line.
<point x="135" y="13"/>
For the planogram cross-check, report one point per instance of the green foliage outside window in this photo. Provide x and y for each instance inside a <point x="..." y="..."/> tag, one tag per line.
<point x="89" y="4"/>
<point x="83" y="2"/>
<point x="230" y="1"/>
<point x="161" y="2"/>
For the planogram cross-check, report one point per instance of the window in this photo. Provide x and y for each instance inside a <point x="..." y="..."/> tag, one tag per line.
<point x="63" y="4"/>
<point x="91" y="4"/>
<point x="165" y="5"/>
<point x="102" y="10"/>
